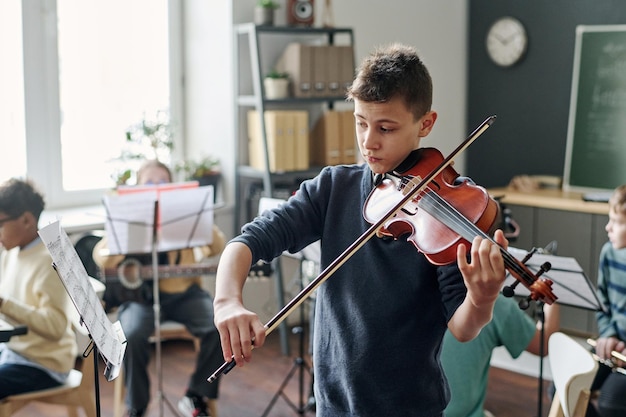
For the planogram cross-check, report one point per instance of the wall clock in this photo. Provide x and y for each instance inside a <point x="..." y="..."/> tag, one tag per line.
<point x="506" y="41"/>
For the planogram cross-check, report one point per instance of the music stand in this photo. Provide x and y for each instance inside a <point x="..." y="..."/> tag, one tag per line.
<point x="106" y="338"/>
<point x="299" y="363"/>
<point x="309" y="253"/>
<point x="570" y="284"/>
<point x="182" y="217"/>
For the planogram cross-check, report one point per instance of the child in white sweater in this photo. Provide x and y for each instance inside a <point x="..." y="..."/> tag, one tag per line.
<point x="32" y="294"/>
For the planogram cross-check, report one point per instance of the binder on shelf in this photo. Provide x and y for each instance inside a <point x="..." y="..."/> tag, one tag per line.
<point x="346" y="67"/>
<point x="255" y="143"/>
<point x="320" y="70"/>
<point x="348" y="137"/>
<point x="276" y="137"/>
<point x="302" y="153"/>
<point x="287" y="133"/>
<point x="287" y="120"/>
<point x="325" y="141"/>
<point x="333" y="71"/>
<point x="317" y="70"/>
<point x="297" y="61"/>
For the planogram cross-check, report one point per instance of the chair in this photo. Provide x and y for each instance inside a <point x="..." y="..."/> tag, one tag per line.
<point x="77" y="392"/>
<point x="79" y="389"/>
<point x="573" y="370"/>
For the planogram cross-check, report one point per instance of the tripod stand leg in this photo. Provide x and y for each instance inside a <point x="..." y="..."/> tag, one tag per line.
<point x="297" y="364"/>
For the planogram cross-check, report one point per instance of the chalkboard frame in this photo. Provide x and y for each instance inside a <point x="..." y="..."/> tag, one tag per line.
<point x="605" y="176"/>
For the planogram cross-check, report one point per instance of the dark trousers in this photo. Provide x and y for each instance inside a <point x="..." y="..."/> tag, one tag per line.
<point x="611" y="401"/>
<point x="194" y="309"/>
<point x="18" y="379"/>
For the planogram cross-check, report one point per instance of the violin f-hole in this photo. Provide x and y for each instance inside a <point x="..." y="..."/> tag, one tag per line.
<point x="399" y="228"/>
<point x="404" y="210"/>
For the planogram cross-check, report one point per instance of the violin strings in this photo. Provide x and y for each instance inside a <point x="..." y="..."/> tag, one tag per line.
<point x="452" y="218"/>
<point x="434" y="204"/>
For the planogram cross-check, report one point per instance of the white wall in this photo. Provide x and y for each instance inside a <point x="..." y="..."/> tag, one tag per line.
<point x="208" y="82"/>
<point x="438" y="29"/>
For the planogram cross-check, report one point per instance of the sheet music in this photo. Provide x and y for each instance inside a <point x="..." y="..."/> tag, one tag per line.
<point x="185" y="219"/>
<point x="570" y="284"/>
<point x="129" y="221"/>
<point x="108" y="337"/>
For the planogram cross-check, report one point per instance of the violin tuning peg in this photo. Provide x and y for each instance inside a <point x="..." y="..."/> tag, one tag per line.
<point x="508" y="291"/>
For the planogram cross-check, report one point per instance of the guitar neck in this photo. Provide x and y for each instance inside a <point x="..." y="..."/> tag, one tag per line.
<point x="146" y="272"/>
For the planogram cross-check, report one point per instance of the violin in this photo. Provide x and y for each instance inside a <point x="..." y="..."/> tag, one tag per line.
<point x="443" y="215"/>
<point x="402" y="204"/>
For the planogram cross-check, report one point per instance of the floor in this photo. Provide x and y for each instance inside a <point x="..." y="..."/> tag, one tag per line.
<point x="249" y="391"/>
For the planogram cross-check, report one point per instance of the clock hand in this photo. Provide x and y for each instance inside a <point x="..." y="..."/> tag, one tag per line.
<point x="500" y="39"/>
<point x="511" y="38"/>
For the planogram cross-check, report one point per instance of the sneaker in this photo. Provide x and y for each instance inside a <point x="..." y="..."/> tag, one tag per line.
<point x="310" y="404"/>
<point x="193" y="407"/>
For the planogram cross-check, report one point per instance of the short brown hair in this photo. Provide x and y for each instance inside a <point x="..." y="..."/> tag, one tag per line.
<point x="391" y="71"/>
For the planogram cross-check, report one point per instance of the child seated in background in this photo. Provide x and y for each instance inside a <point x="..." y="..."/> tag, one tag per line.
<point x="32" y="294"/>
<point x="612" y="319"/>
<point x="466" y="365"/>
<point x="182" y="300"/>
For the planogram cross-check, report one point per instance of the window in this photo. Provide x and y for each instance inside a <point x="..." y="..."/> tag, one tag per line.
<point x="12" y="139"/>
<point x="91" y="69"/>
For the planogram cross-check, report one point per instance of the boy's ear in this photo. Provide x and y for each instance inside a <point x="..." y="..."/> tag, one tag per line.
<point x="427" y="122"/>
<point x="28" y="218"/>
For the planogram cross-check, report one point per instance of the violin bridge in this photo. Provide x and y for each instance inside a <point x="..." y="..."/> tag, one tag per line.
<point x="408" y="184"/>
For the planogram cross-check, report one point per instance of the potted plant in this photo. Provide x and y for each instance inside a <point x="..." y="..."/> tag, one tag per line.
<point x="150" y="138"/>
<point x="264" y="12"/>
<point x="207" y="171"/>
<point x="276" y="85"/>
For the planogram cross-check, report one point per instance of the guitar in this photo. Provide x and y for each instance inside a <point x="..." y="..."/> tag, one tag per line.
<point x="124" y="283"/>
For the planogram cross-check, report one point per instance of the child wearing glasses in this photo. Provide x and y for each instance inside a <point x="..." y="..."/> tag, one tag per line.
<point x="32" y="294"/>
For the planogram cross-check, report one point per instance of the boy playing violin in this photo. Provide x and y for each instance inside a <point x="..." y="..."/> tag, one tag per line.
<point x="380" y="319"/>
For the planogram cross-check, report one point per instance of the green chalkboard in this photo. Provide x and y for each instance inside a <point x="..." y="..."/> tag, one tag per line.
<point x="596" y="138"/>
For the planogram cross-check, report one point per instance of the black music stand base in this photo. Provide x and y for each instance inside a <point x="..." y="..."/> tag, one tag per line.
<point x="300" y="365"/>
<point x="542" y="319"/>
<point x="93" y="349"/>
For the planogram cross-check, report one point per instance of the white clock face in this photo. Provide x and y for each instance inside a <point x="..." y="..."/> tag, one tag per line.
<point x="506" y="41"/>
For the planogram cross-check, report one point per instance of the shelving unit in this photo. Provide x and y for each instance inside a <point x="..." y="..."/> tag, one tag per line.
<point x="250" y="183"/>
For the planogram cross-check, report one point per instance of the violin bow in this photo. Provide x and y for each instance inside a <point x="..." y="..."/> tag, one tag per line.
<point x="292" y="305"/>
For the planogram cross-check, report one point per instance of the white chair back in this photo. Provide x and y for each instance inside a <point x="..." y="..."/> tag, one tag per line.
<point x="573" y="370"/>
